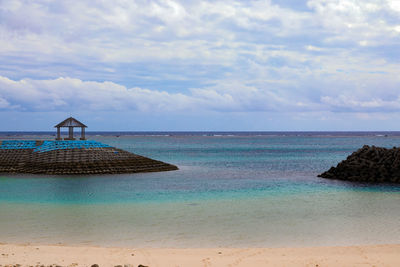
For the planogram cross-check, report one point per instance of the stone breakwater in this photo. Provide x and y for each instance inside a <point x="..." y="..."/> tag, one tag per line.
<point x="368" y="164"/>
<point x="73" y="157"/>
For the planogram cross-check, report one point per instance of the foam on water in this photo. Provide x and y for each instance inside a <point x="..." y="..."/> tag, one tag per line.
<point x="230" y="191"/>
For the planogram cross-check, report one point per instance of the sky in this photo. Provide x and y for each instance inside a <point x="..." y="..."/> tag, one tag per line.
<point x="171" y="65"/>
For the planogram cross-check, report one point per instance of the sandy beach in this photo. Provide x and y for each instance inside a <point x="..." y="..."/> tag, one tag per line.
<point x="38" y="255"/>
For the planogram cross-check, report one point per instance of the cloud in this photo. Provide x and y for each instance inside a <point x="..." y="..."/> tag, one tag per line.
<point x="4" y="103"/>
<point x="71" y="94"/>
<point x="179" y="56"/>
<point x="362" y="23"/>
<point x="67" y="94"/>
<point x="68" y="35"/>
<point x="344" y="103"/>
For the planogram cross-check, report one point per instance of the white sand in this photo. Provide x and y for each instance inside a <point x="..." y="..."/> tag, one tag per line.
<point x="32" y="255"/>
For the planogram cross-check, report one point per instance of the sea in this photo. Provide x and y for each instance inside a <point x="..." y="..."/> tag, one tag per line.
<point x="232" y="189"/>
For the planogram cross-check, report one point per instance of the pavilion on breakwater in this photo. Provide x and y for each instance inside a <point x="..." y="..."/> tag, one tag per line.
<point x="71" y="156"/>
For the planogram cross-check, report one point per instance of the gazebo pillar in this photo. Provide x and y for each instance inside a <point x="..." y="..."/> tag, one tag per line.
<point x="83" y="133"/>
<point x="58" y="133"/>
<point x="70" y="133"/>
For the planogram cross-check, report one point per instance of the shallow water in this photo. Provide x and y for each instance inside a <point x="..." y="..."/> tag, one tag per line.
<point x="238" y="191"/>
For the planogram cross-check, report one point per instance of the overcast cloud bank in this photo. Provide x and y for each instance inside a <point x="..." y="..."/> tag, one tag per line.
<point x="189" y="57"/>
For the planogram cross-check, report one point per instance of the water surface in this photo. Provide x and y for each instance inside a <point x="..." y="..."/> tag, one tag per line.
<point x="232" y="189"/>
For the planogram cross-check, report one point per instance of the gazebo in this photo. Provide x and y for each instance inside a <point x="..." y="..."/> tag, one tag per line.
<point x="70" y="123"/>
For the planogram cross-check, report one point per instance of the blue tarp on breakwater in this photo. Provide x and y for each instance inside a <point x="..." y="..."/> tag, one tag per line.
<point x="50" y="145"/>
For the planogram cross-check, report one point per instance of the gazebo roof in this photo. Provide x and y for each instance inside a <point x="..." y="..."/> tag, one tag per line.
<point x="70" y="122"/>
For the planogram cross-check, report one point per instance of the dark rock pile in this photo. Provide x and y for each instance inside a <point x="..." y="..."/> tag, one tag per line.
<point x="368" y="164"/>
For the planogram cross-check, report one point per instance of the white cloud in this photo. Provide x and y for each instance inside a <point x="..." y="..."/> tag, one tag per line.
<point x="68" y="94"/>
<point x="4" y="103"/>
<point x="366" y="22"/>
<point x="202" y="32"/>
<point x="74" y="94"/>
<point x="232" y="55"/>
<point x="136" y="31"/>
<point x="346" y="103"/>
<point x="394" y="5"/>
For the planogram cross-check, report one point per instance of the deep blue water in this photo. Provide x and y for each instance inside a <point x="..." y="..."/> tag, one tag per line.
<point x="230" y="187"/>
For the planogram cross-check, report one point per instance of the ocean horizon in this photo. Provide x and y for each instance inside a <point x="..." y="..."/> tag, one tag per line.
<point x="205" y="133"/>
<point x="232" y="189"/>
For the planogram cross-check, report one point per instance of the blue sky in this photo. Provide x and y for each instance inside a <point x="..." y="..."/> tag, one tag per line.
<point x="201" y="65"/>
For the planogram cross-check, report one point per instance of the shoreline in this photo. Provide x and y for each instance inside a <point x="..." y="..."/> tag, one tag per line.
<point x="65" y="255"/>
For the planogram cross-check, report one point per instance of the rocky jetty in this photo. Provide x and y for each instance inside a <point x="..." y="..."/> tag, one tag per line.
<point x="368" y="164"/>
<point x="73" y="157"/>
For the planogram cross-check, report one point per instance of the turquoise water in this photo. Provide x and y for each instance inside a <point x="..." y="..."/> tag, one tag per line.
<point x="230" y="190"/>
